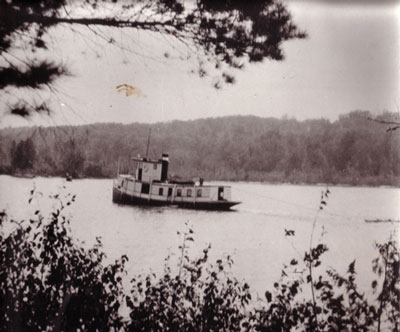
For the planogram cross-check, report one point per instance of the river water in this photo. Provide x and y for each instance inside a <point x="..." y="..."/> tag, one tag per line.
<point x="254" y="233"/>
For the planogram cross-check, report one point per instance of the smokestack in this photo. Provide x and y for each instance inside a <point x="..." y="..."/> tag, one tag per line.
<point x="164" y="166"/>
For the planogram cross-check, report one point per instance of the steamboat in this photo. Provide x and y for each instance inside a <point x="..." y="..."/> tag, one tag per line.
<point x="151" y="186"/>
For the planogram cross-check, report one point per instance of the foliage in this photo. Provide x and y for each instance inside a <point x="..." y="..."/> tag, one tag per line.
<point x="351" y="150"/>
<point x="50" y="282"/>
<point x="199" y="297"/>
<point x="226" y="33"/>
<point x="338" y="305"/>
<point x="335" y="303"/>
<point x="388" y="266"/>
<point x="72" y="159"/>
<point x="22" y="154"/>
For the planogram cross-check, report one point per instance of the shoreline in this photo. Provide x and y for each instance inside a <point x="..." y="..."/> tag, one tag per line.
<point x="318" y="184"/>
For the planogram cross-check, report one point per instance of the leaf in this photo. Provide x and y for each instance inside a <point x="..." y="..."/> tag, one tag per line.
<point x="351" y="269"/>
<point x="289" y="232"/>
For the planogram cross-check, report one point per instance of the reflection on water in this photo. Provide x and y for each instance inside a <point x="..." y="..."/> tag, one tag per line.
<point x="253" y="233"/>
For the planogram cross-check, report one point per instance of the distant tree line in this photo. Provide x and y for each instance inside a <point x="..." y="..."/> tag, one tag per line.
<point x="352" y="150"/>
<point x="22" y="155"/>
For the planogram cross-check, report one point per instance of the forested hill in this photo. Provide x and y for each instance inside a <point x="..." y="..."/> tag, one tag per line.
<point x="351" y="150"/>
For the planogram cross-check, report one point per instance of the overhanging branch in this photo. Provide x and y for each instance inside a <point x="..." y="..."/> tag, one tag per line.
<point x="103" y="21"/>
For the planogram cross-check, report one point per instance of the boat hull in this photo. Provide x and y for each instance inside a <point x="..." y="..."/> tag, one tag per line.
<point x="124" y="198"/>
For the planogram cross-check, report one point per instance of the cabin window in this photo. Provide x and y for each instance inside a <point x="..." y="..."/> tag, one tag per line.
<point x="189" y="193"/>
<point x="160" y="191"/>
<point x="179" y="192"/>
<point x="220" y="193"/>
<point x="154" y="166"/>
<point x="199" y="193"/>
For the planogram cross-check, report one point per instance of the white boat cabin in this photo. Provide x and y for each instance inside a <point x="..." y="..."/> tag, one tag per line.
<point x="152" y="170"/>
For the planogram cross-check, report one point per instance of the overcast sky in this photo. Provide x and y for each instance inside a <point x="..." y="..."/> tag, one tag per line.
<point x="349" y="61"/>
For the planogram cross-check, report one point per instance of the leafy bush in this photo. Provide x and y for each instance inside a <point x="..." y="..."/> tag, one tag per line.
<point x="199" y="297"/>
<point x="50" y="282"/>
<point x="339" y="305"/>
<point x="334" y="303"/>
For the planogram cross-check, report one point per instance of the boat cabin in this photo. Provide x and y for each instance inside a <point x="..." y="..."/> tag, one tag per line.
<point x="148" y="170"/>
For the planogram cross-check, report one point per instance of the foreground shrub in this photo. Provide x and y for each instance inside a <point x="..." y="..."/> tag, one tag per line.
<point x="50" y="282"/>
<point x="339" y="305"/>
<point x="307" y="298"/>
<point x="198" y="297"/>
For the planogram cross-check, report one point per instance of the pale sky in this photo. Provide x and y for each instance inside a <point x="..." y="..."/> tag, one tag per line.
<point x="349" y="61"/>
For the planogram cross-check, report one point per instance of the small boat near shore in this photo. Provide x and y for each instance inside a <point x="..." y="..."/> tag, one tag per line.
<point x="150" y="186"/>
